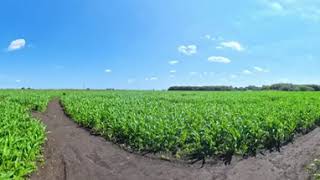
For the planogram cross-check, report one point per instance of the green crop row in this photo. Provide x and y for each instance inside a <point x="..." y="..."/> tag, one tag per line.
<point x="196" y="124"/>
<point x="21" y="136"/>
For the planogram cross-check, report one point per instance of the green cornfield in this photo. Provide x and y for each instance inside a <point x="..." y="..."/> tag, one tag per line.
<point x="196" y="125"/>
<point x="21" y="136"/>
<point x="186" y="125"/>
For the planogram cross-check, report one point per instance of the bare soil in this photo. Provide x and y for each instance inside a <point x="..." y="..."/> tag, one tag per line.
<point x="72" y="153"/>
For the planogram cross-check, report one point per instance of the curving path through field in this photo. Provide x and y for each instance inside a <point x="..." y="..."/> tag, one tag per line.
<point x="72" y="153"/>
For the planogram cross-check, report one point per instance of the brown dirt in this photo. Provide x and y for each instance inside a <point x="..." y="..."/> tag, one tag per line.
<point x="72" y="153"/>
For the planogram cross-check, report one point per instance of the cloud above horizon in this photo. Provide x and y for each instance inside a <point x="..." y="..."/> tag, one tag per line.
<point x="152" y="78"/>
<point x="108" y="70"/>
<point x="247" y="72"/>
<point x="188" y="49"/>
<point x="259" y="69"/>
<point x="232" y="45"/>
<point x="17" y="44"/>
<point x="173" y="62"/>
<point x="219" y="59"/>
<point x="307" y="9"/>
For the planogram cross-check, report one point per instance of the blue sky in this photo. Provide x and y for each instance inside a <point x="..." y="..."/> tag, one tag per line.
<point x="143" y="44"/>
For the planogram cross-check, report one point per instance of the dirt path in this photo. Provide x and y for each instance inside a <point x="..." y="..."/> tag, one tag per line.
<point x="73" y="154"/>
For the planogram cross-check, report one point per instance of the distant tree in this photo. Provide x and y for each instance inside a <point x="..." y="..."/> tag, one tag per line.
<point x="282" y="87"/>
<point x="273" y="87"/>
<point x="265" y="88"/>
<point x="305" y="88"/>
<point x="314" y="87"/>
<point x="201" y="88"/>
<point x="253" y="88"/>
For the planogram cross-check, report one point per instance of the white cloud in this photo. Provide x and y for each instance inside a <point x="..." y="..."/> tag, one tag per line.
<point x="246" y="72"/>
<point x="173" y="71"/>
<point x="259" y="69"/>
<point x="207" y="36"/>
<point x="219" y="59"/>
<point x="173" y="62"/>
<point x="153" y="78"/>
<point x="188" y="50"/>
<point x="108" y="70"/>
<point x="18" y="81"/>
<point x="305" y="9"/>
<point x="233" y="45"/>
<point x="17" y="44"/>
<point x="276" y="6"/>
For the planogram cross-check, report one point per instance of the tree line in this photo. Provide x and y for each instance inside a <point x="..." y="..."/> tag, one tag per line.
<point x="273" y="87"/>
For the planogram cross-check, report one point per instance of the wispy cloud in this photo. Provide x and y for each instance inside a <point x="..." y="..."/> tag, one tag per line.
<point x="153" y="78"/>
<point x="188" y="49"/>
<point x="246" y="72"/>
<point x="219" y="59"/>
<point x="108" y="70"/>
<point x="259" y="69"/>
<point x="232" y="45"/>
<point x="173" y="71"/>
<point x="207" y="36"/>
<point x="173" y="62"/>
<point x="306" y="9"/>
<point x="276" y="6"/>
<point x="213" y="38"/>
<point x="17" y="44"/>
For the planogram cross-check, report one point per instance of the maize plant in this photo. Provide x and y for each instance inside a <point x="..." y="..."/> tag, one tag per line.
<point x="196" y="124"/>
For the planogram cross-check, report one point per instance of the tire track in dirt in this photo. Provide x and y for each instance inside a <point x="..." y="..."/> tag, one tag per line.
<point x="72" y="153"/>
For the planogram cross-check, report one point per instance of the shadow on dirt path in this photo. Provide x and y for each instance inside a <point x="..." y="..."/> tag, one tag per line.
<point x="72" y="153"/>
